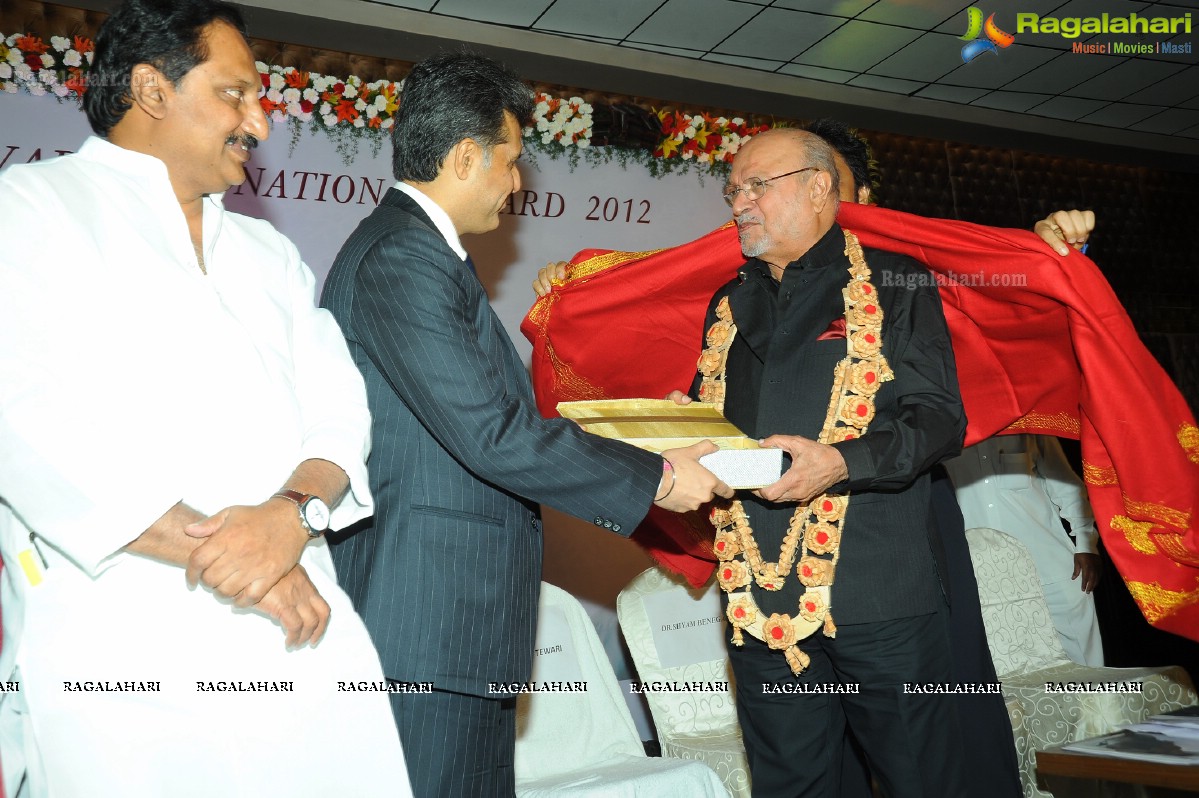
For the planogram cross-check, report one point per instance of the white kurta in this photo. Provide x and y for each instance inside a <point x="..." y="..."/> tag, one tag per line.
<point x="130" y="382"/>
<point x="1024" y="486"/>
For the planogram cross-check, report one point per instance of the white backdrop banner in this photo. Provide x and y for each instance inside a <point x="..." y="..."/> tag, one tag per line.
<point x="311" y="195"/>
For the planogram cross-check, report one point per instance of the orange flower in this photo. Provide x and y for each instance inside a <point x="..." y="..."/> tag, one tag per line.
<point x="779" y="632"/>
<point x="732" y="575"/>
<point x="741" y="611"/>
<point x="32" y="44"/>
<point x="374" y="122"/>
<point x="726" y="546"/>
<point x="811" y="605"/>
<point x="296" y="79"/>
<point x="346" y="112"/>
<point x="83" y="44"/>
<point x="77" y="82"/>
<point x="822" y="538"/>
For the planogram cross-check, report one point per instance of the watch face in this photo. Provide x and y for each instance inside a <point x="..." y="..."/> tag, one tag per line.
<point x="316" y="514"/>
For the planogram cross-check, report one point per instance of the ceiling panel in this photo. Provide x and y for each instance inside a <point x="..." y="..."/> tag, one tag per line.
<point x="1121" y="114"/>
<point x="1071" y="108"/>
<point x="994" y="71"/>
<point x="922" y="14"/>
<point x="1124" y="79"/>
<point x="1181" y="86"/>
<point x="694" y="24"/>
<point x="952" y="94"/>
<point x="818" y="73"/>
<point x="779" y="34"/>
<point x="1064" y="72"/>
<point x="609" y="19"/>
<point x="857" y="46"/>
<point x="1169" y="121"/>
<point x="1010" y="100"/>
<point x="837" y="8"/>
<point x="893" y="85"/>
<point x="926" y="59"/>
<point x="764" y="64"/>
<point x="509" y="12"/>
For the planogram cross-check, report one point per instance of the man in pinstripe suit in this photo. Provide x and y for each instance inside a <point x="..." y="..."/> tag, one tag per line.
<point x="447" y="574"/>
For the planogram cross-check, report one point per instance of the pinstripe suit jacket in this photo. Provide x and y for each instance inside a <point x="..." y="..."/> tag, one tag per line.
<point x="447" y="572"/>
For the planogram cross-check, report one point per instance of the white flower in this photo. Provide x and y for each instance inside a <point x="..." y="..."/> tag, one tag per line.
<point x="546" y="138"/>
<point x="11" y="88"/>
<point x="583" y="142"/>
<point x="372" y="111"/>
<point x="359" y="122"/>
<point x="72" y="58"/>
<point x="12" y="40"/>
<point x="48" y="77"/>
<point x="326" y="109"/>
<point x="47" y="61"/>
<point x="60" y="43"/>
<point x="687" y="156"/>
<point x="23" y="72"/>
<point x="319" y="84"/>
<point x="293" y="109"/>
<point x="736" y="120"/>
<point x="381" y="102"/>
<point x="360" y="104"/>
<point x="697" y="120"/>
<point x="278" y="116"/>
<point x="5" y="71"/>
<point x="311" y="95"/>
<point x="274" y="95"/>
<point x="61" y="91"/>
<point x="14" y="57"/>
<point x="330" y="120"/>
<point x="350" y="91"/>
<point x="277" y="81"/>
<point x="287" y="70"/>
<point x="90" y="54"/>
<point x="585" y="109"/>
<point x="689" y="132"/>
<point x="721" y="121"/>
<point x="388" y="122"/>
<point x="261" y="67"/>
<point x="36" y="89"/>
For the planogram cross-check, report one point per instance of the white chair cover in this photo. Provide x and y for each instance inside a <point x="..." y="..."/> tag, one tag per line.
<point x="583" y="742"/>
<point x="1028" y="655"/>
<point x="698" y="725"/>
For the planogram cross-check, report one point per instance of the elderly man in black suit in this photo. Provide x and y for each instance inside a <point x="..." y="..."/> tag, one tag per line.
<point x="846" y="363"/>
<point x="447" y="575"/>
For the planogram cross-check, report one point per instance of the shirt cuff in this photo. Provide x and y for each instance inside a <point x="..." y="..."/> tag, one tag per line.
<point x="357" y="503"/>
<point x="858" y="465"/>
<point x="1086" y="540"/>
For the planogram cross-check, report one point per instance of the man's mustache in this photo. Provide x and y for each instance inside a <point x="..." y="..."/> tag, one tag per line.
<point x="244" y="139"/>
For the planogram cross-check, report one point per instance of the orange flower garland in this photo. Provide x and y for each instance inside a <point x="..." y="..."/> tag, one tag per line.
<point x="815" y="529"/>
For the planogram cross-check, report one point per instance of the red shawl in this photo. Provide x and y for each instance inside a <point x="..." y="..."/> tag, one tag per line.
<point x="1042" y="346"/>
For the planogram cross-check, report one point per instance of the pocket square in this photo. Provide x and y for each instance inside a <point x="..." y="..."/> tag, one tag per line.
<point x="835" y="330"/>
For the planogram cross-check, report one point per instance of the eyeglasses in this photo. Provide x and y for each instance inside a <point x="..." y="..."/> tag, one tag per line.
<point x="755" y="187"/>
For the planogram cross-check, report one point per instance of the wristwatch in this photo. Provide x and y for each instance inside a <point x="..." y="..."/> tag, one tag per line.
<point x="314" y="513"/>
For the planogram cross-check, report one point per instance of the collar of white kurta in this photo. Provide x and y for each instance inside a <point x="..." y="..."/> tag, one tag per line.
<point x="441" y="219"/>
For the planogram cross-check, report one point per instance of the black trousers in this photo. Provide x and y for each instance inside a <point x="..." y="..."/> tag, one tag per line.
<point x="457" y="745"/>
<point x="794" y="740"/>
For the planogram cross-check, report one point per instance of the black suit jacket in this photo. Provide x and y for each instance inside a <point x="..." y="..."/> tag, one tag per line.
<point x="448" y="571"/>
<point x="780" y="376"/>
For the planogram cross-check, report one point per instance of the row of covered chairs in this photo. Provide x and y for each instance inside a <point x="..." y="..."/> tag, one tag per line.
<point x="585" y="742"/>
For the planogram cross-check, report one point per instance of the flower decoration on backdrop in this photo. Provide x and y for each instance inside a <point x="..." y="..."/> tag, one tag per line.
<point x="352" y="111"/>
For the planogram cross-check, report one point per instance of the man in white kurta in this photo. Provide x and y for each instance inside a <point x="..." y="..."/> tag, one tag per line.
<point x="1024" y="486"/>
<point x="134" y="383"/>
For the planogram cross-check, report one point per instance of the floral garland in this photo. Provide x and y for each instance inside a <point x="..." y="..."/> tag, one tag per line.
<point x="351" y="110"/>
<point x="814" y="532"/>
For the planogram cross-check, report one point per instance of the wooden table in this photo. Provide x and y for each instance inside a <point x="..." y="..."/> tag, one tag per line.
<point x="1067" y="769"/>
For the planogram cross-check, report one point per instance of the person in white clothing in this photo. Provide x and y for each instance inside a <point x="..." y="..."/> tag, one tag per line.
<point x="170" y="398"/>
<point x="1024" y="486"/>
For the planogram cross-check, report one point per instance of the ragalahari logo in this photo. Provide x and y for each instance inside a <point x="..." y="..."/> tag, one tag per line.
<point x="975" y="27"/>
